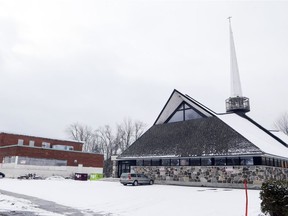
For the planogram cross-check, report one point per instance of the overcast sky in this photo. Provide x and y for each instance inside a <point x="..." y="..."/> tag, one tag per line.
<point x="98" y="62"/>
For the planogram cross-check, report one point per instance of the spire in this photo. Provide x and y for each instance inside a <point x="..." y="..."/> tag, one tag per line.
<point x="234" y="71"/>
<point x="236" y="102"/>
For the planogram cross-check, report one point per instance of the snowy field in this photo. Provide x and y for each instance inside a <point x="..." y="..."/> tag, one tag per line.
<point x="112" y="198"/>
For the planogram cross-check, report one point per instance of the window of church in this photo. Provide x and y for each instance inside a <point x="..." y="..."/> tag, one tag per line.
<point x="147" y="163"/>
<point x="246" y="161"/>
<point x="156" y="162"/>
<point x="206" y="162"/>
<point x="195" y="162"/>
<point x="166" y="162"/>
<point x="184" y="162"/>
<point x="174" y="162"/>
<point x="233" y="161"/>
<point x="139" y="163"/>
<point x="220" y="161"/>
<point x="183" y="113"/>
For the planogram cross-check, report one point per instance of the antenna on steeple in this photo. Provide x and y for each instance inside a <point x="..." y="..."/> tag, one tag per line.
<point x="236" y="102"/>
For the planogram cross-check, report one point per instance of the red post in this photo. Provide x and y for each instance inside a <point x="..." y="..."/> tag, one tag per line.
<point x="246" y="192"/>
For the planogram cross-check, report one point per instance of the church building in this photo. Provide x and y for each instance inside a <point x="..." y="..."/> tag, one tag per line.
<point x="189" y="144"/>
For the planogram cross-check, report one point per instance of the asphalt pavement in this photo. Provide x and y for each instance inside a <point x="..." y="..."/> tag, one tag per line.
<point x="45" y="205"/>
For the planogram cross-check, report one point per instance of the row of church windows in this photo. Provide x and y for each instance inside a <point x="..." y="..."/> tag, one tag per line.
<point x="219" y="161"/>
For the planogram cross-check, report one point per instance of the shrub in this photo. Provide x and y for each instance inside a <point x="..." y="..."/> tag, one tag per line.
<point x="274" y="196"/>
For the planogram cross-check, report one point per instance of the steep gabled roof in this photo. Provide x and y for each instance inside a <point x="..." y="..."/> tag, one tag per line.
<point x="175" y="99"/>
<point x="198" y="137"/>
<point x="212" y="134"/>
<point x="256" y="134"/>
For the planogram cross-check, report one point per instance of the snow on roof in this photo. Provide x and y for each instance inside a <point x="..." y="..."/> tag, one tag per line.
<point x="280" y="135"/>
<point x="42" y="137"/>
<point x="254" y="134"/>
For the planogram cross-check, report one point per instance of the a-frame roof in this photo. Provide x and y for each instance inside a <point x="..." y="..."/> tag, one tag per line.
<point x="199" y="137"/>
<point x="175" y="99"/>
<point x="213" y="134"/>
<point x="256" y="134"/>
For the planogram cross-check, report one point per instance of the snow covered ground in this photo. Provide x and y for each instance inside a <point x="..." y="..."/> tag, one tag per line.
<point x="112" y="198"/>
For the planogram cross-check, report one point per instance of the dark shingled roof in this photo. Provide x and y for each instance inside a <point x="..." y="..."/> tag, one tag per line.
<point x="198" y="137"/>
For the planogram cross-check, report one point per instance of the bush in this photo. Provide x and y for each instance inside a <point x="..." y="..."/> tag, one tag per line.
<point x="274" y="196"/>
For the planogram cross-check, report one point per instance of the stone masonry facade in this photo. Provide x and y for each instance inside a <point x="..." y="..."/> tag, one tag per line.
<point x="213" y="176"/>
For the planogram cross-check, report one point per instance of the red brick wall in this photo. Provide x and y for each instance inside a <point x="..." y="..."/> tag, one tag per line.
<point x="87" y="159"/>
<point x="12" y="139"/>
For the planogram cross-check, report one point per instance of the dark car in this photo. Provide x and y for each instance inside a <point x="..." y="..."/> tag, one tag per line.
<point x="2" y="175"/>
<point x="135" y="179"/>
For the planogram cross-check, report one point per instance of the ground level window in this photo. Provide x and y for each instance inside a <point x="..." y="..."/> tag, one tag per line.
<point x="139" y="163"/>
<point x="206" y="161"/>
<point x="277" y="163"/>
<point x="147" y="162"/>
<point x="184" y="162"/>
<point x="195" y="162"/>
<point x="258" y="161"/>
<point x="174" y="162"/>
<point x="220" y="161"/>
<point x="246" y="161"/>
<point x="233" y="161"/>
<point x="155" y="162"/>
<point x="269" y="162"/>
<point x="166" y="162"/>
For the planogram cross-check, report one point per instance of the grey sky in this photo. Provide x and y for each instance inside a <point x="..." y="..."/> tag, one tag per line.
<point x="98" y="62"/>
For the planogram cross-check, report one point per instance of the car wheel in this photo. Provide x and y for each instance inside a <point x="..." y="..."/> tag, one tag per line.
<point x="151" y="182"/>
<point x="135" y="183"/>
<point x="124" y="184"/>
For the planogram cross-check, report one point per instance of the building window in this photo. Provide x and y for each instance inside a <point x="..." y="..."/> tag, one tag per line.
<point x="45" y="145"/>
<point x="31" y="143"/>
<point x="233" y="161"/>
<point x="195" y="162"/>
<point x="147" y="163"/>
<point x="139" y="163"/>
<point x="269" y="162"/>
<point x="246" y="161"/>
<point x="174" y="162"/>
<point x="20" y="142"/>
<point x="183" y="113"/>
<point x="155" y="162"/>
<point x="206" y="162"/>
<point x="166" y="162"/>
<point x="220" y="161"/>
<point x="184" y="162"/>
<point x="9" y="159"/>
<point x="41" y="161"/>
<point x="258" y="161"/>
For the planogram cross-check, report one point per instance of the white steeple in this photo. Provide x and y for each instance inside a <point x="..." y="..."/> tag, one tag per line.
<point x="236" y="102"/>
<point x="234" y="71"/>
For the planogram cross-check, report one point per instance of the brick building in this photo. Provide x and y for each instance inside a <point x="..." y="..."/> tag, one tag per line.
<point x="22" y="154"/>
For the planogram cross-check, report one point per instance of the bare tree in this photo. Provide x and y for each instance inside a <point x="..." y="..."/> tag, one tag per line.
<point x="84" y="133"/>
<point x="106" y="141"/>
<point x="282" y="123"/>
<point x="128" y="132"/>
<point x="139" y="129"/>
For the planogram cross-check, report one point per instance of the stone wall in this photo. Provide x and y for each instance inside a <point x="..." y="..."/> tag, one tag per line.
<point x="213" y="176"/>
